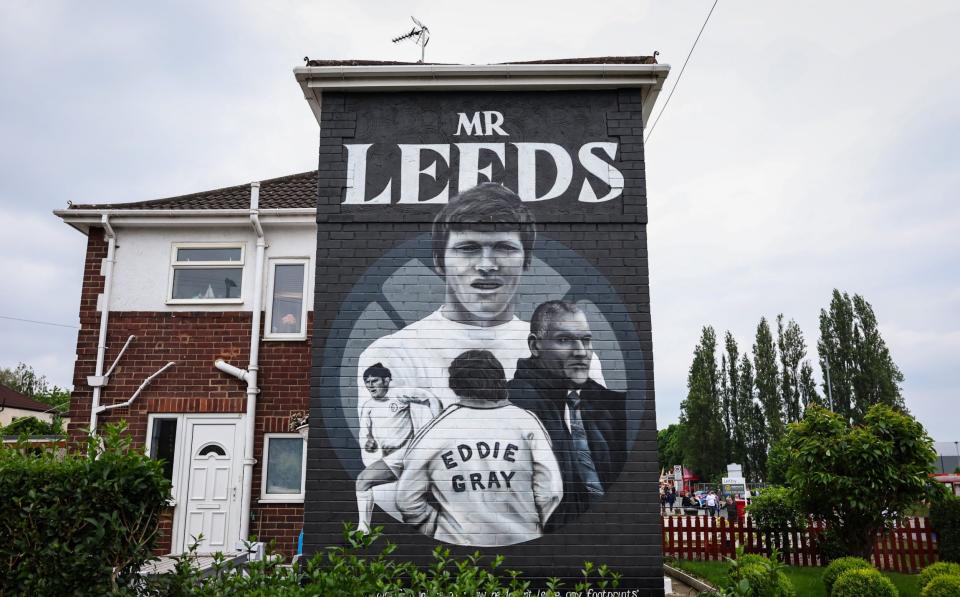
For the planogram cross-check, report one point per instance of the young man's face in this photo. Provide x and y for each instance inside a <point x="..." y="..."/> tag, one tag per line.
<point x="566" y="347"/>
<point x="482" y="271"/>
<point x="377" y="386"/>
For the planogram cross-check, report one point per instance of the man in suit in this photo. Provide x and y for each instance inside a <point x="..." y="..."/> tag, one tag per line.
<point x="585" y="420"/>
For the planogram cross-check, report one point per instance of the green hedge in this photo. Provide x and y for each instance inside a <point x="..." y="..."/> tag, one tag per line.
<point x="839" y="566"/>
<point x="946" y="585"/>
<point x="74" y="524"/>
<point x="863" y="582"/>
<point x="939" y="569"/>
<point x="945" y="516"/>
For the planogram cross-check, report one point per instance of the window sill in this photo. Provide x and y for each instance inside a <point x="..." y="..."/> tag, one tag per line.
<point x="281" y="500"/>
<point x="236" y="301"/>
<point x="285" y="337"/>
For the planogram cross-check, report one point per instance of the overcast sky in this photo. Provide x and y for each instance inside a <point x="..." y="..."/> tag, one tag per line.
<point x="809" y="146"/>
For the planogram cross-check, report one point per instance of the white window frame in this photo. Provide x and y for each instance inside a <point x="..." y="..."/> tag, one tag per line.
<point x="266" y="498"/>
<point x="175" y="265"/>
<point x="177" y="443"/>
<point x="268" y="324"/>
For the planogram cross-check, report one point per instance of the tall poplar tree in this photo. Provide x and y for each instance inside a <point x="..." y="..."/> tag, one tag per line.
<point x="703" y="442"/>
<point x="792" y="350"/>
<point x="735" y="437"/>
<point x="808" y="387"/>
<point x="852" y="352"/>
<point x="751" y="433"/>
<point x="765" y="365"/>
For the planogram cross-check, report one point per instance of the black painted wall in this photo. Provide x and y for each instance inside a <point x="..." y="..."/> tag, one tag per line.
<point x="374" y="277"/>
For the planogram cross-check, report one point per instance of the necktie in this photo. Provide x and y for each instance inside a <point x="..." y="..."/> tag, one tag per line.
<point x="586" y="468"/>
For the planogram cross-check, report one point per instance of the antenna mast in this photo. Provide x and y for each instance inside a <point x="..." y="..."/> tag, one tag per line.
<point x="420" y="35"/>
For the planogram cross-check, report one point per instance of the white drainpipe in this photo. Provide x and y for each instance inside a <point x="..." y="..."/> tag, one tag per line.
<point x="98" y="380"/>
<point x="250" y="374"/>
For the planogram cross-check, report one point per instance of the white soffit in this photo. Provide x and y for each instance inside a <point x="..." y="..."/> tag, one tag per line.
<point x="314" y="80"/>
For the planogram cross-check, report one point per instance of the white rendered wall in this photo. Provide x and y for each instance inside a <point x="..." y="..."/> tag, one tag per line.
<point x="142" y="271"/>
<point x="8" y="414"/>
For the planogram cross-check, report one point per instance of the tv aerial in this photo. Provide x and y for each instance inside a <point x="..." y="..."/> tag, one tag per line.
<point x="420" y="35"/>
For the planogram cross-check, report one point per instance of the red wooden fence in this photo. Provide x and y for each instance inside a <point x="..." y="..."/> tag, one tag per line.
<point x="907" y="547"/>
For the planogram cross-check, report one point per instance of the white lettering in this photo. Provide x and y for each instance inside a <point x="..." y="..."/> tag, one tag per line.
<point x="472" y="126"/>
<point x="493" y="121"/>
<point x="470" y="162"/>
<point x="527" y="170"/>
<point x="357" y="168"/>
<point x="410" y="172"/>
<point x="605" y="171"/>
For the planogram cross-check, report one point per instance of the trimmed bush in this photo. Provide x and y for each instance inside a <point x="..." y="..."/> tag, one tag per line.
<point x="946" y="585"/>
<point x="945" y="516"/>
<point x="939" y="569"/>
<point x="839" y="566"/>
<point x="776" y="510"/>
<point x="76" y="524"/>
<point x="863" y="582"/>
<point x="764" y="577"/>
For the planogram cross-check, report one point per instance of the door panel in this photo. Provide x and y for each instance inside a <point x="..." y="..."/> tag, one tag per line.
<point x="212" y="506"/>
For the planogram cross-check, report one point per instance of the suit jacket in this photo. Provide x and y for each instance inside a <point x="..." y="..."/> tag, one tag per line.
<point x="602" y="411"/>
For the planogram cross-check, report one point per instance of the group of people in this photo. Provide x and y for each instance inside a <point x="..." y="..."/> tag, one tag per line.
<point x="493" y="430"/>
<point x="692" y="503"/>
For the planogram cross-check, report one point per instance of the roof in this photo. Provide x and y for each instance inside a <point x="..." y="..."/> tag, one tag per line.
<point x="591" y="60"/>
<point x="11" y="398"/>
<point x="286" y="192"/>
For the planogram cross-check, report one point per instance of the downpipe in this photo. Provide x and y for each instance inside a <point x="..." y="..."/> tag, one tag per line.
<point x="98" y="379"/>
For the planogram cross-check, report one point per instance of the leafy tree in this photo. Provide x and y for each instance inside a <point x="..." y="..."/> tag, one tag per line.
<point x="808" y="387"/>
<point x="669" y="452"/>
<point x="792" y="350"/>
<point x="765" y="364"/>
<point x="751" y="432"/>
<point x="861" y="370"/>
<point x="858" y="479"/>
<point x="703" y="444"/>
<point x="28" y="382"/>
<point x="731" y="397"/>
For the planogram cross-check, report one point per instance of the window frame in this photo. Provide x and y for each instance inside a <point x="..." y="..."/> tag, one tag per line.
<point x="273" y="262"/>
<point x="177" y="443"/>
<point x="175" y="264"/>
<point x="282" y="498"/>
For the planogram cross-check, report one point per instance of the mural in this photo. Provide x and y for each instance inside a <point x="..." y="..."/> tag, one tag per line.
<point x="477" y="426"/>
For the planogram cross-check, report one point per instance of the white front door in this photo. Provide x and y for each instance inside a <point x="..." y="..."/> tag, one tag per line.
<point x="212" y="507"/>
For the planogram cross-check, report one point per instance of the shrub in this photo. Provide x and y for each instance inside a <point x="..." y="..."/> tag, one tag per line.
<point x="939" y="569"/>
<point x="890" y="455"/>
<point x="752" y="575"/>
<point x="839" y="566"/>
<point x="33" y="426"/>
<point x="945" y="516"/>
<point x="357" y="569"/>
<point x="946" y="585"/>
<point x="77" y="524"/>
<point x="863" y="582"/>
<point x="776" y="510"/>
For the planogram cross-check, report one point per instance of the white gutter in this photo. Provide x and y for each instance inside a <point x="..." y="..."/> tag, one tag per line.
<point x="145" y="383"/>
<point x="97" y="381"/>
<point x="250" y="374"/>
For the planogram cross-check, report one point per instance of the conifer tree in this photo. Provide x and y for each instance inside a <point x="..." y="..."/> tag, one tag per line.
<point x="765" y="365"/>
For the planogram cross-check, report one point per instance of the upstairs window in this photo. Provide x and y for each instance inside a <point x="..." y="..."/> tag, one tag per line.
<point x="206" y="273"/>
<point x="286" y="304"/>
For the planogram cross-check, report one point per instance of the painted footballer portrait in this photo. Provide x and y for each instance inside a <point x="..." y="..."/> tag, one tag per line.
<point x="476" y="425"/>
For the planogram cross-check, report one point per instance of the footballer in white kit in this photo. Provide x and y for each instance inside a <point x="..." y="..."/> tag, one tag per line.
<point x="389" y="420"/>
<point x="483" y="473"/>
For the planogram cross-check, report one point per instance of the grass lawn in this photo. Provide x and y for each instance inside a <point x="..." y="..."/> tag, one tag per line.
<point x="806" y="579"/>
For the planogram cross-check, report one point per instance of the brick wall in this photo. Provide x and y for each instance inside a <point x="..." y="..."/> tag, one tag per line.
<point x="194" y="340"/>
<point x="375" y="261"/>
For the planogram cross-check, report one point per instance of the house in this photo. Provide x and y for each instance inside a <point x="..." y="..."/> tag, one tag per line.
<point x="179" y="280"/>
<point x="212" y="322"/>
<point x="13" y="404"/>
